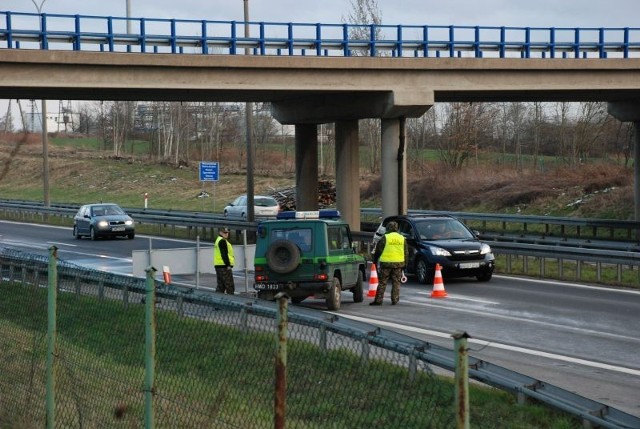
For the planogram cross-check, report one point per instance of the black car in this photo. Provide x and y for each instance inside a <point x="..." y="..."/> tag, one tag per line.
<point x="444" y="240"/>
<point x="103" y="220"/>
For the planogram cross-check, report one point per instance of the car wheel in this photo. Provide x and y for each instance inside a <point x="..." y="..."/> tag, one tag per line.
<point x="283" y="256"/>
<point x="425" y="276"/>
<point x="485" y="277"/>
<point x="92" y="233"/>
<point x="75" y="232"/>
<point x="244" y="217"/>
<point x="358" y="293"/>
<point x="226" y="213"/>
<point x="335" y="293"/>
<point x="131" y="236"/>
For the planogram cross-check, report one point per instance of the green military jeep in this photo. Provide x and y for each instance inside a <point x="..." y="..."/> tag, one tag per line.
<point x="308" y="253"/>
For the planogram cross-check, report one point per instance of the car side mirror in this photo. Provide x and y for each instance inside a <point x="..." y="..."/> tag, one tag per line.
<point x="87" y="216"/>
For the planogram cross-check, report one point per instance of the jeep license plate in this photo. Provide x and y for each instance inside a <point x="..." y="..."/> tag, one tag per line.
<point x="468" y="265"/>
<point x="117" y="228"/>
<point x="267" y="286"/>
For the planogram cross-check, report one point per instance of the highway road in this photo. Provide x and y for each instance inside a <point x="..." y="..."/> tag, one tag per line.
<point x="582" y="338"/>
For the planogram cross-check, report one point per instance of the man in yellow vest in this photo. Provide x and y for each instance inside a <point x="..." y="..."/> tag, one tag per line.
<point x="392" y="251"/>
<point x="223" y="262"/>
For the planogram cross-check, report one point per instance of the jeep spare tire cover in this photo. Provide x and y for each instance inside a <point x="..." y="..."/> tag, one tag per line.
<point x="283" y="256"/>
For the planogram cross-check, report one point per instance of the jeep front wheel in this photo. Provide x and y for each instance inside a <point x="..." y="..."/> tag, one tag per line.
<point x="283" y="256"/>
<point x="334" y="294"/>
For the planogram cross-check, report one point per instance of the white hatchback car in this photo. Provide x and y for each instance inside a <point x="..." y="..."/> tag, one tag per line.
<point x="264" y="207"/>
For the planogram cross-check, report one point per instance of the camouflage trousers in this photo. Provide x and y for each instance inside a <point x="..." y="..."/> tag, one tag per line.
<point x="389" y="271"/>
<point x="225" y="280"/>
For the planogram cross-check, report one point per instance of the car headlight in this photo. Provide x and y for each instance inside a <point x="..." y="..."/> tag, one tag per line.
<point x="103" y="224"/>
<point x="438" y="251"/>
<point x="484" y="249"/>
<point x="128" y="222"/>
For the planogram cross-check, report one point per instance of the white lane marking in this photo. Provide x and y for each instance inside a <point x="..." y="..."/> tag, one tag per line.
<point x="460" y="298"/>
<point x="493" y="344"/>
<point x="574" y="285"/>
<point x="520" y="318"/>
<point x="55" y="243"/>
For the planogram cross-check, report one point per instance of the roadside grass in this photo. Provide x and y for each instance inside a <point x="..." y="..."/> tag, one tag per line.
<point x="101" y="368"/>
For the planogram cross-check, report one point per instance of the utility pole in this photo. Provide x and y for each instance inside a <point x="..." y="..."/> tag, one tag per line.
<point x="128" y="16"/>
<point x="45" y="143"/>
<point x="249" y="125"/>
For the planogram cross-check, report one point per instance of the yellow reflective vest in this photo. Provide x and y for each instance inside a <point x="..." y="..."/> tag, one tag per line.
<point x="218" y="260"/>
<point x="393" y="249"/>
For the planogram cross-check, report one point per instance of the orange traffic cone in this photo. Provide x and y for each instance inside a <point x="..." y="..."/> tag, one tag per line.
<point x="166" y="274"/>
<point x="373" y="281"/>
<point x="438" y="285"/>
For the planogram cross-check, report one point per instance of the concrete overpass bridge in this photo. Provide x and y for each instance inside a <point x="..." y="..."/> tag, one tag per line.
<point x="306" y="91"/>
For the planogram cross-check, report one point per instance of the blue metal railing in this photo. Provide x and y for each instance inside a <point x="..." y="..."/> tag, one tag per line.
<point x="153" y="35"/>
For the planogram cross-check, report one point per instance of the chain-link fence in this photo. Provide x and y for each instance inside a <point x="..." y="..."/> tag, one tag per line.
<point x="198" y="360"/>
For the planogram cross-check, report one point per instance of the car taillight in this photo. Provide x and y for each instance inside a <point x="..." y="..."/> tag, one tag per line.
<point x="261" y="278"/>
<point x="321" y="276"/>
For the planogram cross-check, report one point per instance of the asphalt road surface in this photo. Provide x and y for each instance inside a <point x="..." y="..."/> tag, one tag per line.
<point x="582" y="338"/>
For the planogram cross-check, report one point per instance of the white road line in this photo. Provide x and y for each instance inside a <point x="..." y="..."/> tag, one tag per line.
<point x="55" y="243"/>
<point x="519" y="318"/>
<point x="523" y="350"/>
<point x="574" y="285"/>
<point x="460" y="298"/>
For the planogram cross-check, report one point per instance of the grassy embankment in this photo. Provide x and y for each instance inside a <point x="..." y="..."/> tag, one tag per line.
<point x="106" y="360"/>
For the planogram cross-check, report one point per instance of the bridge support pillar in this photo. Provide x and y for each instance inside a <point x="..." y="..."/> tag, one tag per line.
<point x="393" y="166"/>
<point x="348" y="172"/>
<point x="306" y="166"/>
<point x="629" y="111"/>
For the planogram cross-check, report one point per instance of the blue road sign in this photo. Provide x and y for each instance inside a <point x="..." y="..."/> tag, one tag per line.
<point x="208" y="171"/>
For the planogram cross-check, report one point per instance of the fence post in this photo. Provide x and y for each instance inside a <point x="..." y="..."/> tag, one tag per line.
<point x="52" y="298"/>
<point x="149" y="347"/>
<point x="280" y="399"/>
<point x="462" y="379"/>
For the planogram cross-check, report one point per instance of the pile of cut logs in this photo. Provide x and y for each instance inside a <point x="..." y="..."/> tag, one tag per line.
<point x="286" y="197"/>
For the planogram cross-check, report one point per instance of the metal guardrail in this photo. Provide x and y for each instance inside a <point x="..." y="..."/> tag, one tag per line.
<point x="579" y="226"/>
<point x="619" y="253"/>
<point x="13" y="267"/>
<point x="154" y="35"/>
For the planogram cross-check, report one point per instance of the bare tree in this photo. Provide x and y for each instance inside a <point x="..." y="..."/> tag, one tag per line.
<point x="465" y="130"/>
<point x="536" y="124"/>
<point x="589" y="128"/>
<point x="363" y="18"/>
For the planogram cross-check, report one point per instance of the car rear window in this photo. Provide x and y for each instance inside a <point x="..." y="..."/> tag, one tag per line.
<point x="265" y="202"/>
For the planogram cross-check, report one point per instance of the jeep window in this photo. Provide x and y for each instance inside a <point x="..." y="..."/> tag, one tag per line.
<point x="300" y="236"/>
<point x="338" y="237"/>
<point x="333" y="236"/>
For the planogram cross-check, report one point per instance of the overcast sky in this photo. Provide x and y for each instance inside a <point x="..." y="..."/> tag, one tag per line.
<point x="513" y="13"/>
